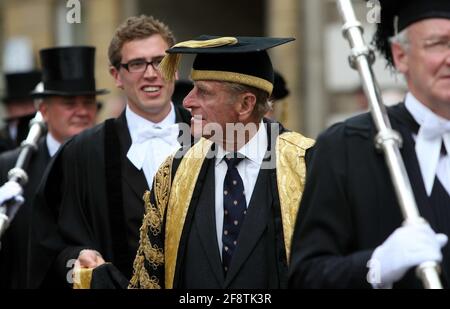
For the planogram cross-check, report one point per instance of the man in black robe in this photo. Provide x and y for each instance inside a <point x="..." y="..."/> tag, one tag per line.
<point x="349" y="231"/>
<point x="67" y="102"/>
<point x="221" y="214"/>
<point x="94" y="186"/>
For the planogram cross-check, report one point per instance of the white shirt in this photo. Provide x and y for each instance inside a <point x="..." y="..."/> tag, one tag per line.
<point x="149" y="155"/>
<point x="420" y="112"/>
<point x="52" y="144"/>
<point x="248" y="169"/>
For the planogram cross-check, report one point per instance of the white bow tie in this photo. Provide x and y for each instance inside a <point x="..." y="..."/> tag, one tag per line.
<point x="428" y="148"/>
<point x="138" y="150"/>
<point x="167" y="134"/>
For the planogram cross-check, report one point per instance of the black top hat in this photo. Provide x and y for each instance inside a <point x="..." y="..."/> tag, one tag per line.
<point x="396" y="15"/>
<point x="18" y="86"/>
<point x="68" y="71"/>
<point x="280" y="90"/>
<point x="241" y="60"/>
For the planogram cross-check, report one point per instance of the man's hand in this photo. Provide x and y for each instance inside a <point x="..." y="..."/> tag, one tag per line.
<point x="88" y="259"/>
<point x="83" y="267"/>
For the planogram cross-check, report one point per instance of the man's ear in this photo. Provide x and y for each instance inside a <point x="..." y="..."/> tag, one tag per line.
<point x="43" y="109"/>
<point x="117" y="78"/>
<point x="400" y="57"/>
<point x="247" y="106"/>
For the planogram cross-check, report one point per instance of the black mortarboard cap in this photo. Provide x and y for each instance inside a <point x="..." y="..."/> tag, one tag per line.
<point x="396" y="15"/>
<point x="241" y="60"/>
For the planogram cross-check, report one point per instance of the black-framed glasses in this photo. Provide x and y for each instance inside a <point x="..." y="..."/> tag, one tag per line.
<point x="141" y="65"/>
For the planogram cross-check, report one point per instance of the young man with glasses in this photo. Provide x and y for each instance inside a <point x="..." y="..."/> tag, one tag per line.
<point x="97" y="180"/>
<point x="349" y="229"/>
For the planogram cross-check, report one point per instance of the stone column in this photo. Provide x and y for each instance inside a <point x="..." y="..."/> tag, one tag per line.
<point x="315" y="88"/>
<point x="283" y="20"/>
<point x="102" y="18"/>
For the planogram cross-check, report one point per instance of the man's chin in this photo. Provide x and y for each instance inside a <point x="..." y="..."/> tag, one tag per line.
<point x="80" y="128"/>
<point x="197" y="132"/>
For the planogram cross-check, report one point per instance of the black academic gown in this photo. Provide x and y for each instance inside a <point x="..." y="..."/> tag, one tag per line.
<point x="6" y="142"/>
<point x="23" y="126"/>
<point x="260" y="257"/>
<point x="349" y="206"/>
<point x="95" y="194"/>
<point x="14" y="250"/>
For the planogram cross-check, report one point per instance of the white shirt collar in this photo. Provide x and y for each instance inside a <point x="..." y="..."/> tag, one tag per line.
<point x="429" y="141"/>
<point x="52" y="144"/>
<point x="136" y="122"/>
<point x="254" y="150"/>
<point x="419" y="111"/>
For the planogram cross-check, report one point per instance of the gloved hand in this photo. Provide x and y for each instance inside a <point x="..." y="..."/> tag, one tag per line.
<point x="11" y="190"/>
<point x="406" y="247"/>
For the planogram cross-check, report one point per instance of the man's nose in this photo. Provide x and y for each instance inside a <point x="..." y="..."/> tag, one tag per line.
<point x="447" y="59"/>
<point x="83" y="108"/>
<point x="189" y="100"/>
<point x="150" y="71"/>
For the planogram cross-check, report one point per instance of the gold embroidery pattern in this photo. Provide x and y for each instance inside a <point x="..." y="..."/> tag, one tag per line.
<point x="291" y="173"/>
<point x="180" y="198"/>
<point x="152" y="223"/>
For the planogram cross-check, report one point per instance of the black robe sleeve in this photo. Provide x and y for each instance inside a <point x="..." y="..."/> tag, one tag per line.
<point x="7" y="161"/>
<point x="322" y="254"/>
<point x="56" y="238"/>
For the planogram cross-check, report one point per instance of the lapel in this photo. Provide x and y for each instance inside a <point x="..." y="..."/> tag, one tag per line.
<point x="37" y="165"/>
<point x="205" y="220"/>
<point x="133" y="177"/>
<point x="254" y="225"/>
<point x="42" y="153"/>
<point x="405" y="124"/>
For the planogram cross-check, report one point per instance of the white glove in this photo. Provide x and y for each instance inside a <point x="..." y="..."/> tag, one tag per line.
<point x="11" y="190"/>
<point x="406" y="247"/>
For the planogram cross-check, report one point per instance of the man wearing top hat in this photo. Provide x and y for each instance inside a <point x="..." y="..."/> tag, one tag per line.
<point x="98" y="178"/>
<point x="349" y="232"/>
<point x="20" y="107"/>
<point x="67" y="102"/>
<point x="280" y="91"/>
<point x="221" y="213"/>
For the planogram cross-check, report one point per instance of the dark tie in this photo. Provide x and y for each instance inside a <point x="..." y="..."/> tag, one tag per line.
<point x="234" y="210"/>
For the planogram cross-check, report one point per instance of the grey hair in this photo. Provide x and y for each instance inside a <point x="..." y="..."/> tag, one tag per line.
<point x="262" y="105"/>
<point x="401" y="38"/>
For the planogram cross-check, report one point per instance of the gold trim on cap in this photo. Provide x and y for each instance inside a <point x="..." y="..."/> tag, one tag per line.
<point x="169" y="64"/>
<point x="233" y="77"/>
<point x="222" y="41"/>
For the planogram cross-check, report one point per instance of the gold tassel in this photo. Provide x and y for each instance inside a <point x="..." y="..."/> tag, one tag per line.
<point x="169" y="65"/>
<point x="170" y="62"/>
